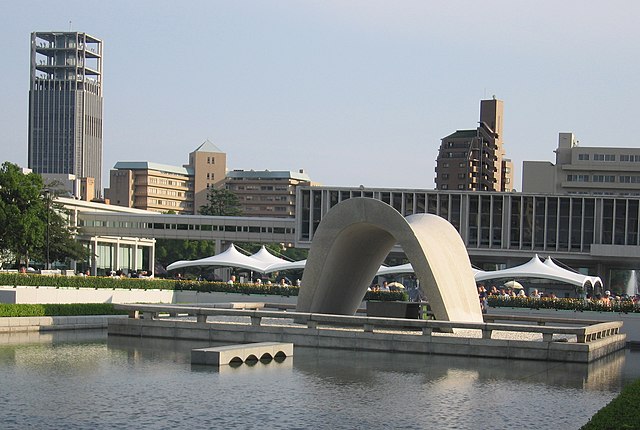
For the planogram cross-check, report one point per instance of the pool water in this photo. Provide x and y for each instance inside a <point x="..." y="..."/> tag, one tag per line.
<point x="87" y="380"/>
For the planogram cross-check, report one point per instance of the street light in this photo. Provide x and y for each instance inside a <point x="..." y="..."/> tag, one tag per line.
<point x="47" y="196"/>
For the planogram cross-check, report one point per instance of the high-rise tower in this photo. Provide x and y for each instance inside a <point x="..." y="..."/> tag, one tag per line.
<point x="65" y="105"/>
<point x="474" y="160"/>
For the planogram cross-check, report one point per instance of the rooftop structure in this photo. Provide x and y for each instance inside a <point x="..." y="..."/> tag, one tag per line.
<point x="584" y="170"/>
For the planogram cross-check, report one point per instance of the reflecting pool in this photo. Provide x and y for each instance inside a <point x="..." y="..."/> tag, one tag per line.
<point x="86" y="380"/>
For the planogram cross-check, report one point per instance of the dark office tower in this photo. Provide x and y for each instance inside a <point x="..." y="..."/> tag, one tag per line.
<point x="65" y="105"/>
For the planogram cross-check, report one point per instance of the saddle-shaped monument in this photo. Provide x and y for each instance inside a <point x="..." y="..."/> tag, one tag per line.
<point x="355" y="237"/>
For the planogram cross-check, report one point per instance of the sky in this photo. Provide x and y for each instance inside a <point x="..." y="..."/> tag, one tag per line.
<point x="355" y="92"/>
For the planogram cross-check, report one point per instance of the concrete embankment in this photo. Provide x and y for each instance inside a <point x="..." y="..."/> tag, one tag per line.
<point x="20" y="294"/>
<point x="27" y="324"/>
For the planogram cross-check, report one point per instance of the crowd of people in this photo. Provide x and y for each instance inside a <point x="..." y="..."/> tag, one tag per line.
<point x="386" y="286"/>
<point x="607" y="298"/>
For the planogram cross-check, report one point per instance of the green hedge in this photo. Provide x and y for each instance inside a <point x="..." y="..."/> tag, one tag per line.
<point x="624" y="306"/>
<point x="620" y="413"/>
<point x="58" y="309"/>
<point x="32" y="280"/>
<point x="21" y="279"/>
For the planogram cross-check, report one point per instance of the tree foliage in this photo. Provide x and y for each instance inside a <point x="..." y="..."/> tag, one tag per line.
<point x="170" y="250"/>
<point x="222" y="202"/>
<point x="24" y="213"/>
<point x="22" y="210"/>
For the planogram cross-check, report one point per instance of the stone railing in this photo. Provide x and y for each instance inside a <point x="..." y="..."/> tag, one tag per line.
<point x="585" y="330"/>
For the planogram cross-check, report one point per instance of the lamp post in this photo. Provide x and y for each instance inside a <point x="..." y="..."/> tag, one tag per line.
<point x="47" y="196"/>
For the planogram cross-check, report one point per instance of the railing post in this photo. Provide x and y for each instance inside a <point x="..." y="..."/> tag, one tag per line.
<point x="427" y="331"/>
<point x="312" y="324"/>
<point x="256" y="320"/>
<point x="486" y="333"/>
<point x="148" y="315"/>
<point x="134" y="314"/>
<point x="547" y="337"/>
<point x="201" y="318"/>
<point x="368" y="328"/>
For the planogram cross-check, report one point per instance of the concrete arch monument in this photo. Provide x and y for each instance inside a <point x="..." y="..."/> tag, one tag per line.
<point x="355" y="237"/>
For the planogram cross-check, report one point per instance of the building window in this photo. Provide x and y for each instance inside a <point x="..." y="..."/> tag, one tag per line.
<point x="583" y="157"/>
<point x="445" y="164"/>
<point x="208" y="160"/>
<point x="461" y="175"/>
<point x="461" y="186"/>
<point x="444" y="187"/>
<point x="604" y="157"/>
<point x="604" y="178"/>
<point x="445" y="176"/>
<point x="624" y="157"/>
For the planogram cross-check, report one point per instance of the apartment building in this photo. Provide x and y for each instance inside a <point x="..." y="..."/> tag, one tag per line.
<point x="474" y="159"/>
<point x="166" y="188"/>
<point x="264" y="193"/>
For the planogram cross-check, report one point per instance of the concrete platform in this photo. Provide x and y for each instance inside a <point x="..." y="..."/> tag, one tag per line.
<point x="551" y="343"/>
<point x="224" y="355"/>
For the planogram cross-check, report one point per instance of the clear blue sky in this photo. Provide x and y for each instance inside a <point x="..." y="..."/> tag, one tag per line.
<point x="354" y="92"/>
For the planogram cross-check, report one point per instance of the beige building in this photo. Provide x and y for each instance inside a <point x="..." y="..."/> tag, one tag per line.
<point x="584" y="170"/>
<point x="162" y="188"/>
<point x="267" y="193"/>
<point x="474" y="160"/>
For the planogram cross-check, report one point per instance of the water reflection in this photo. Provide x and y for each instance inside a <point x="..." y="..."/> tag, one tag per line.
<point x="338" y="365"/>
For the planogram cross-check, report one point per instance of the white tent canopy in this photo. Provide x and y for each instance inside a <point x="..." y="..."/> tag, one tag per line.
<point x="267" y="257"/>
<point x="594" y="280"/>
<point x="535" y="268"/>
<point x="297" y="265"/>
<point x="229" y="258"/>
<point x="287" y="265"/>
<point x="408" y="268"/>
<point x="403" y="268"/>
<point x="264" y="262"/>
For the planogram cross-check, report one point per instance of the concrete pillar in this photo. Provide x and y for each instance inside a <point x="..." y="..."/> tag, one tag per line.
<point x="116" y="260"/>
<point x="94" y="254"/>
<point x="152" y="259"/>
<point x="134" y="262"/>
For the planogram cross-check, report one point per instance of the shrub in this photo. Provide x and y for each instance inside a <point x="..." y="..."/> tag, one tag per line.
<point x="624" y="306"/>
<point x="21" y="279"/>
<point x="620" y="413"/>
<point x="58" y="309"/>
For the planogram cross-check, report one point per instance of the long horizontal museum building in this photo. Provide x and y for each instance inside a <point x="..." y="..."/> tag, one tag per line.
<point x="592" y="233"/>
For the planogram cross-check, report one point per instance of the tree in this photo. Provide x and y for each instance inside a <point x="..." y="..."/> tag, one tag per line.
<point x="222" y="202"/>
<point x="24" y="213"/>
<point x="170" y="250"/>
